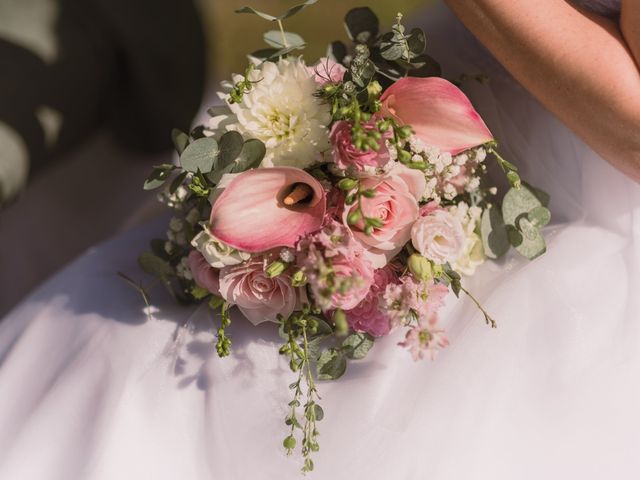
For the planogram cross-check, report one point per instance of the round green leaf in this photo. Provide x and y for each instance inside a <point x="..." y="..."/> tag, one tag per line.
<point x="539" y="216"/>
<point x="180" y="140"/>
<point x="494" y="233"/>
<point x="532" y="247"/>
<point x="417" y="41"/>
<point x="362" y="24"/>
<point x="357" y="345"/>
<point x="154" y="265"/>
<point x="251" y="155"/>
<point x="517" y="202"/>
<point x="230" y="147"/>
<point x="200" y="155"/>
<point x="331" y="364"/>
<point x="274" y="39"/>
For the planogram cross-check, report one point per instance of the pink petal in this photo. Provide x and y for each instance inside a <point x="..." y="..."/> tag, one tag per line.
<point x="250" y="214"/>
<point x="440" y="114"/>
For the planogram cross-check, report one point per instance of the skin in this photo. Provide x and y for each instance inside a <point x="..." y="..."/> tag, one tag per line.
<point x="583" y="67"/>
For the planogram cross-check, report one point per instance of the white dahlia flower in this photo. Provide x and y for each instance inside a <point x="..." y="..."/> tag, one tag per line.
<point x="282" y="111"/>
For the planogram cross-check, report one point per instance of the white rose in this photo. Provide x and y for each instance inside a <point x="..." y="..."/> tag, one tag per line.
<point x="216" y="253"/>
<point x="439" y="237"/>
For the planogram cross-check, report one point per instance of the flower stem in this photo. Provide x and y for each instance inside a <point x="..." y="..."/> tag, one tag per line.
<point x="284" y="37"/>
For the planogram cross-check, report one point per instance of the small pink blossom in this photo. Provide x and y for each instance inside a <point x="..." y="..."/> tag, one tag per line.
<point x="349" y="157"/>
<point x="339" y="275"/>
<point x="439" y="237"/>
<point x="411" y="299"/>
<point x="425" y="339"/>
<point x="367" y="316"/>
<point x="327" y="71"/>
<point x="395" y="203"/>
<point x="259" y="297"/>
<point x="204" y="274"/>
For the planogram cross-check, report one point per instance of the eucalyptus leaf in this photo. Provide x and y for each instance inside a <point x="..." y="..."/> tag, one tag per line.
<point x="357" y="345"/>
<point x="417" y="41"/>
<point x="295" y="9"/>
<point x="323" y="327"/>
<point x="532" y="247"/>
<point x="252" y="10"/>
<point x="177" y="182"/>
<point x="154" y="265"/>
<point x="230" y="147"/>
<point x="514" y="235"/>
<point x="158" y="176"/>
<point x="540" y="194"/>
<point x="337" y="51"/>
<point x="362" y="24"/>
<point x="494" y="233"/>
<point x="528" y="230"/>
<point x="429" y="68"/>
<point x="274" y="38"/>
<point x="313" y="347"/>
<point x="331" y="365"/>
<point x="362" y="76"/>
<point x="252" y="153"/>
<point x="157" y="247"/>
<point x="518" y="202"/>
<point x="390" y="48"/>
<point x="539" y="216"/>
<point x="265" y="53"/>
<point x="180" y="140"/>
<point x="319" y="413"/>
<point x="215" y="176"/>
<point x="200" y="155"/>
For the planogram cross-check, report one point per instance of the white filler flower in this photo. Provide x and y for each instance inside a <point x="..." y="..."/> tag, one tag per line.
<point x="282" y="111"/>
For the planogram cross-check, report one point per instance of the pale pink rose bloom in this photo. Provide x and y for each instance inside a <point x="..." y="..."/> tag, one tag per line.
<point x="359" y="272"/>
<point x="425" y="339"/>
<point x="396" y="204"/>
<point x="250" y="214"/>
<point x="327" y="71"/>
<point x="439" y="237"/>
<point x="368" y="316"/>
<point x="348" y="157"/>
<point x="439" y="113"/>
<point x="204" y="274"/>
<point x="259" y="298"/>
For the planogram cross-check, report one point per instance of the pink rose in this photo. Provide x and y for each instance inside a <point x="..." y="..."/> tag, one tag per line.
<point x="259" y="297"/>
<point x="327" y="71"/>
<point x="204" y="274"/>
<point x="355" y="272"/>
<point x="395" y="203"/>
<point x="367" y="316"/>
<point x="348" y="157"/>
<point x="439" y="237"/>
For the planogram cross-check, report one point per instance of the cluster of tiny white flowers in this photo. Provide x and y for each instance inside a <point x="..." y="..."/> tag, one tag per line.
<point x="175" y="199"/>
<point x="183" y="270"/>
<point x="176" y="233"/>
<point x="443" y="170"/>
<point x="287" y="255"/>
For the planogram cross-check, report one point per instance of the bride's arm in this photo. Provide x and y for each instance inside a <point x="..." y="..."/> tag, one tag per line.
<point x="578" y="64"/>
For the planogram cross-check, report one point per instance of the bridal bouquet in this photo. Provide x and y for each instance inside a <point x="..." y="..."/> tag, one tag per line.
<point x="340" y="200"/>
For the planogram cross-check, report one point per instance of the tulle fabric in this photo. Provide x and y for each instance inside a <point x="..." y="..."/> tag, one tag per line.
<point x="93" y="389"/>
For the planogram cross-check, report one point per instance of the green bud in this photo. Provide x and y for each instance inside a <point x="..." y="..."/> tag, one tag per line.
<point x="403" y="156"/>
<point x="340" y="321"/>
<point x="368" y="230"/>
<point x="374" y="88"/>
<point x="405" y="132"/>
<point x="514" y="179"/>
<point x="299" y="279"/>
<point x="289" y="443"/>
<point x="420" y="267"/>
<point x="353" y="217"/>
<point x="350" y="199"/>
<point x="369" y="193"/>
<point x="383" y="125"/>
<point x="347" y="184"/>
<point x="275" y="268"/>
<point x="417" y="165"/>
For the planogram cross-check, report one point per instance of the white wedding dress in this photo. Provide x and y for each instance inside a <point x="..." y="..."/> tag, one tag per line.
<point x="92" y="389"/>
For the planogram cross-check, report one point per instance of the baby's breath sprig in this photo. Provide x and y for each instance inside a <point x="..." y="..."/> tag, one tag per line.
<point x="298" y="328"/>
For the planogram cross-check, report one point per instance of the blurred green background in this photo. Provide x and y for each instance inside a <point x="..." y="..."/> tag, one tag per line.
<point x="231" y="36"/>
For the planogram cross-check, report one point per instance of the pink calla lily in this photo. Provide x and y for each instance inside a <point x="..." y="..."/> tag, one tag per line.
<point x="251" y="214"/>
<point x="440" y="114"/>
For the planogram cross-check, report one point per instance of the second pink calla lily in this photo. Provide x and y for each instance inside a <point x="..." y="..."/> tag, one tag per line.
<point x="439" y="113"/>
<point x="257" y="212"/>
